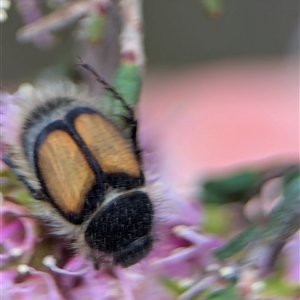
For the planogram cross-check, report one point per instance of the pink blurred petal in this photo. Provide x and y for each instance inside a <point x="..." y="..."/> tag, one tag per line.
<point x="18" y="233"/>
<point x="292" y="252"/>
<point x="34" y="285"/>
<point x="95" y="285"/>
<point x="31" y="12"/>
<point x="8" y="279"/>
<point x="75" y="268"/>
<point x="10" y="118"/>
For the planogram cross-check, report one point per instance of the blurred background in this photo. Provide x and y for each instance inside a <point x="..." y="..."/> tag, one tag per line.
<point x="178" y="34"/>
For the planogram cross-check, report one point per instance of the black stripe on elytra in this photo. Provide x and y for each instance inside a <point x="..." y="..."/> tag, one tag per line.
<point x="124" y="181"/>
<point x="95" y="195"/>
<point x="120" y="180"/>
<point x="39" y="113"/>
<point x="36" y="194"/>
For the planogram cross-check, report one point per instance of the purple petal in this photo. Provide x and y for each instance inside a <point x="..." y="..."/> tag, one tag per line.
<point x="292" y="252"/>
<point x="18" y="233"/>
<point x="10" y="118"/>
<point x="32" y="284"/>
<point x="31" y="12"/>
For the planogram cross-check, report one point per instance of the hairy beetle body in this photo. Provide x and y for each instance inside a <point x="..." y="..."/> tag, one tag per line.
<point x="84" y="176"/>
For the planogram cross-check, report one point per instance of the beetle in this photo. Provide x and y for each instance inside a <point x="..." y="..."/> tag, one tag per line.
<point x="83" y="173"/>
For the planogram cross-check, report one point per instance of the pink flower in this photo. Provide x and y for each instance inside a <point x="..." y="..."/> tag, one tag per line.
<point x="77" y="278"/>
<point x="17" y="237"/>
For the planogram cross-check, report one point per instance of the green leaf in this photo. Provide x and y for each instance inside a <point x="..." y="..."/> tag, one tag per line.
<point x="284" y="219"/>
<point x="95" y="28"/>
<point x="276" y="286"/>
<point x="236" y="187"/>
<point x="173" y="286"/>
<point x="228" y="293"/>
<point x="127" y="83"/>
<point x="22" y="197"/>
<point x="237" y="243"/>
<point x="290" y="176"/>
<point x="216" y="220"/>
<point x="212" y="8"/>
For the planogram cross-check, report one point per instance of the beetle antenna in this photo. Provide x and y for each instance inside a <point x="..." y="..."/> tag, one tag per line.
<point x="106" y="85"/>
